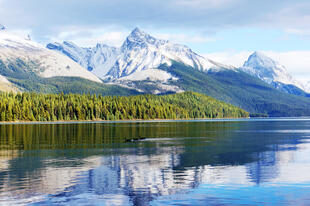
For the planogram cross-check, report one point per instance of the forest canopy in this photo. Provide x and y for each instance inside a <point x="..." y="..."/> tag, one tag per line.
<point x="56" y="107"/>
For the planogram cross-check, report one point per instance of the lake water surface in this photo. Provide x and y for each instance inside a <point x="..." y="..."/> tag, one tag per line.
<point x="231" y="162"/>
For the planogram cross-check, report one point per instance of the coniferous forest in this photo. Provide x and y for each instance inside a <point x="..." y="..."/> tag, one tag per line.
<point x="56" y="107"/>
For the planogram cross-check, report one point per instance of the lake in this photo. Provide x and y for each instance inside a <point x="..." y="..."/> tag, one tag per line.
<point x="203" y="162"/>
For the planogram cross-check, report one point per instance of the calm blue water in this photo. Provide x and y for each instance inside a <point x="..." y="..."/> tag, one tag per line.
<point x="244" y="162"/>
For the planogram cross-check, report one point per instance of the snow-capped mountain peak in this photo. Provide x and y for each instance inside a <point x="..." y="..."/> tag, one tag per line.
<point x="139" y="35"/>
<point x="269" y="70"/>
<point x="139" y="52"/>
<point x="140" y="39"/>
<point x="260" y="61"/>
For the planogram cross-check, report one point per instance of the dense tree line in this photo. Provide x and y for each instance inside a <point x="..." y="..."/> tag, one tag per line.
<point x="53" y="107"/>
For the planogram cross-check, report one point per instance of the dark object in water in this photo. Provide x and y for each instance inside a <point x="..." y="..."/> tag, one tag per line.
<point x="135" y="139"/>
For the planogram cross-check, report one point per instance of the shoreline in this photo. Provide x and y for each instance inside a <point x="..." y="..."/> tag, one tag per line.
<point x="113" y="121"/>
<point x="158" y="120"/>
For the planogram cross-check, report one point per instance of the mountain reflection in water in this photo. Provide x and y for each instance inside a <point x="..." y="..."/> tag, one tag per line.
<point x="182" y="162"/>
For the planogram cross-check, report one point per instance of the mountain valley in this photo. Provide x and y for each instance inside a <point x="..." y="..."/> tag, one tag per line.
<point x="146" y="65"/>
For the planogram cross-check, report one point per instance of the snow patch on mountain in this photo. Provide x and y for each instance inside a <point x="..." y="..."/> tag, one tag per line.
<point x="50" y="63"/>
<point x="268" y="70"/>
<point x="148" y="86"/>
<point x="4" y="80"/>
<point x="150" y="74"/>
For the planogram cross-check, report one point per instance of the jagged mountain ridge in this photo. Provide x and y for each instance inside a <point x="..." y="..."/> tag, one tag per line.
<point x="139" y="52"/>
<point x="98" y="59"/>
<point x="140" y="56"/>
<point x="272" y="72"/>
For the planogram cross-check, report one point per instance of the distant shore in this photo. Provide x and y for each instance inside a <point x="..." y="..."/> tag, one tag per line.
<point x="156" y="120"/>
<point x="121" y="121"/>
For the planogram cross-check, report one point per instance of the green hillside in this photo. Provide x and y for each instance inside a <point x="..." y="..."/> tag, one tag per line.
<point x="23" y="76"/>
<point x="240" y="89"/>
<point x="52" y="107"/>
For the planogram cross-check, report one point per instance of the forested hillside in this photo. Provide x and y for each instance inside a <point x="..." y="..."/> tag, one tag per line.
<point x="241" y="90"/>
<point x="53" y="107"/>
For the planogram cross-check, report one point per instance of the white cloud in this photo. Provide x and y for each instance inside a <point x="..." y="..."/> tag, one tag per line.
<point x="296" y="62"/>
<point x="184" y="38"/>
<point x="48" y="17"/>
<point x="293" y="18"/>
<point x="211" y="4"/>
<point x="22" y="32"/>
<point x="88" y="37"/>
<point x="229" y="57"/>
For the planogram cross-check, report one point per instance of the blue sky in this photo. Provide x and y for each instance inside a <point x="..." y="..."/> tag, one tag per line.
<point x="227" y="30"/>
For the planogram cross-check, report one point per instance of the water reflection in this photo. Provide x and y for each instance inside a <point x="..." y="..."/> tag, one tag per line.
<point x="95" y="164"/>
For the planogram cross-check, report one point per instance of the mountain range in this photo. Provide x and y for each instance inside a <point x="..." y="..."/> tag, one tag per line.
<point x="144" y="64"/>
<point x="140" y="56"/>
<point x="138" y="53"/>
